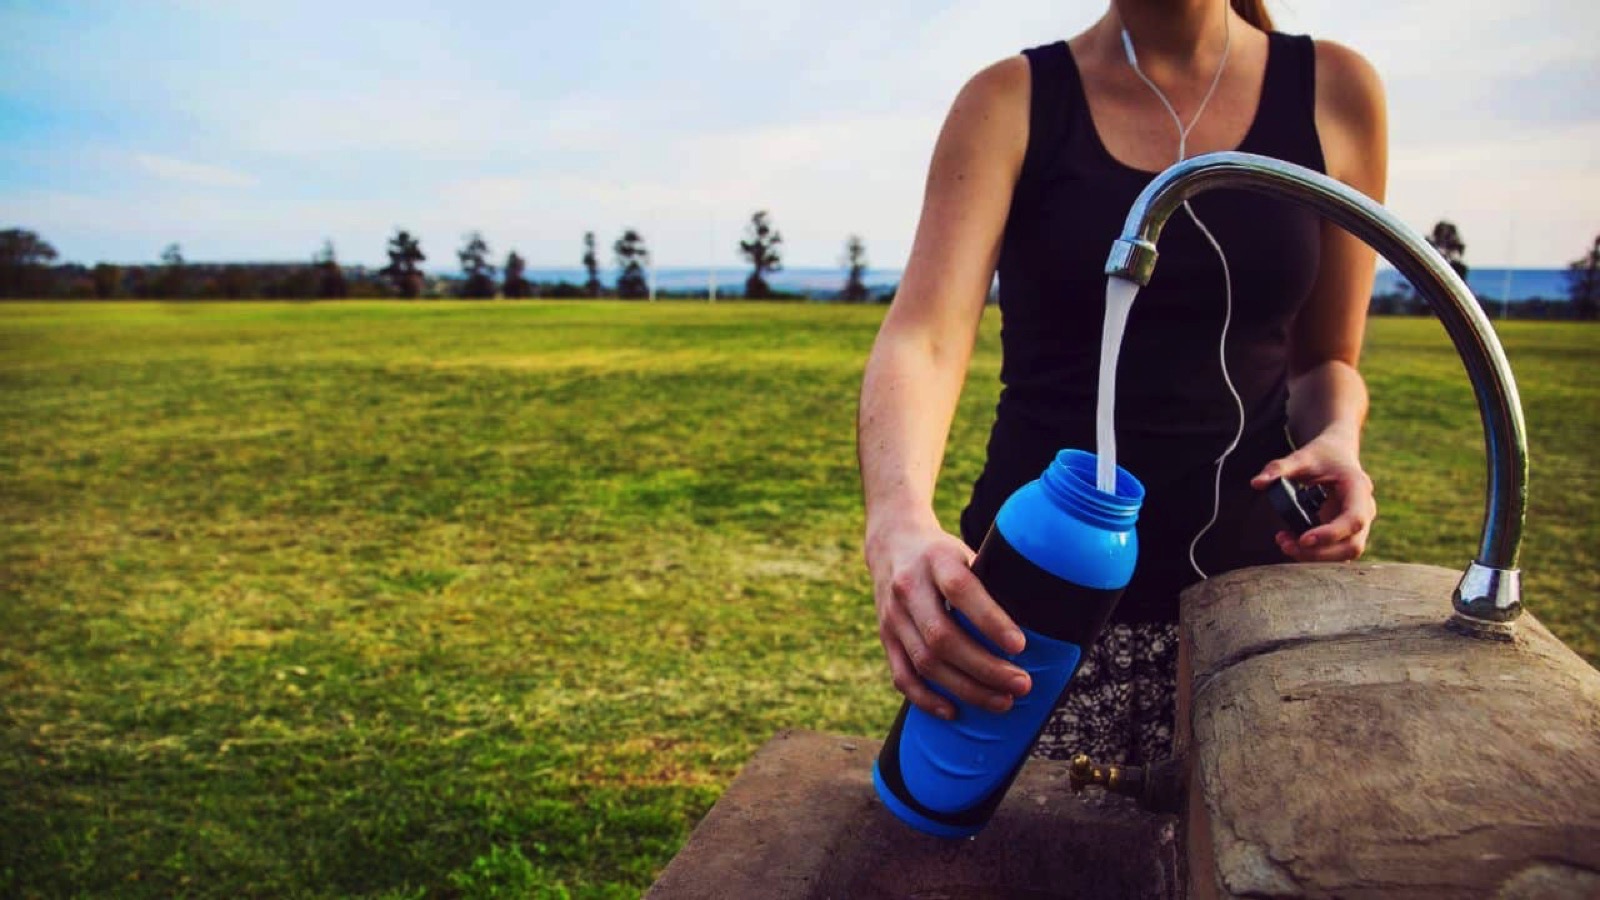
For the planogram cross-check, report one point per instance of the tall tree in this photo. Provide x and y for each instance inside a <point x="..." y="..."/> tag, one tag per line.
<point x="173" y="281"/>
<point x="761" y="246"/>
<point x="591" y="264"/>
<point x="331" y="284"/>
<point x="474" y="256"/>
<point x="1446" y="239"/>
<point x="516" y="285"/>
<point x="25" y="260"/>
<point x="855" y="262"/>
<point x="632" y="257"/>
<point x="405" y="252"/>
<point x="1583" y="284"/>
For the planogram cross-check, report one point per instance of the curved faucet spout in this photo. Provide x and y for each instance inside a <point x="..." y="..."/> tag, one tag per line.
<point x="1490" y="589"/>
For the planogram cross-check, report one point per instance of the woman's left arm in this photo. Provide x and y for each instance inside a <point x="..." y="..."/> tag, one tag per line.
<point x="1327" y="397"/>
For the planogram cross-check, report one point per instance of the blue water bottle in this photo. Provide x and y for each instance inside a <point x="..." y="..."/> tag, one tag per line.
<point x="1056" y="560"/>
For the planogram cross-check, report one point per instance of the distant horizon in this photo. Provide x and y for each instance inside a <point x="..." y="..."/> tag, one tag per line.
<point x="446" y="271"/>
<point x="497" y="259"/>
<point x="1526" y="283"/>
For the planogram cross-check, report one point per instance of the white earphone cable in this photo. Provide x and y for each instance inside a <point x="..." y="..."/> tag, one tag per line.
<point x="1227" y="276"/>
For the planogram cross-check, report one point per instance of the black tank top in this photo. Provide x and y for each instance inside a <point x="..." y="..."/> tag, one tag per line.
<point x="1174" y="415"/>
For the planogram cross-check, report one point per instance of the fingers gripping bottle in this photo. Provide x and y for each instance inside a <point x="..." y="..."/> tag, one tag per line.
<point x="1056" y="559"/>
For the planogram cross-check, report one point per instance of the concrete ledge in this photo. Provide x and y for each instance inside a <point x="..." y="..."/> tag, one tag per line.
<point x="802" y="821"/>
<point x="1347" y="744"/>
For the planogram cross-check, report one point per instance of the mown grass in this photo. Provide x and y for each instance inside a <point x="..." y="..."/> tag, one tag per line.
<point x="446" y="599"/>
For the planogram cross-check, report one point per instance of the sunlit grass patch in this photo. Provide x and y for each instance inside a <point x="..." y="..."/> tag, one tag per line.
<point x="444" y="598"/>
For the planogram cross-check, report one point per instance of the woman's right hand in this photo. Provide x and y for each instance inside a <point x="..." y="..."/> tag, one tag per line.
<point x="915" y="571"/>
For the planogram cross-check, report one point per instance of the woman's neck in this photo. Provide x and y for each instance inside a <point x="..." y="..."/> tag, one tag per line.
<point x="1170" y="34"/>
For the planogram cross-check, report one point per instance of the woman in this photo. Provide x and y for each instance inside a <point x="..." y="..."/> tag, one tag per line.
<point x="1037" y="164"/>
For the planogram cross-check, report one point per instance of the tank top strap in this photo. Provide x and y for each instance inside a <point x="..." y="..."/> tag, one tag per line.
<point x="1286" y="121"/>
<point x="1052" y="106"/>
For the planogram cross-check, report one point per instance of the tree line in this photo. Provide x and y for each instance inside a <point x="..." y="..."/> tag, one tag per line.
<point x="28" y="269"/>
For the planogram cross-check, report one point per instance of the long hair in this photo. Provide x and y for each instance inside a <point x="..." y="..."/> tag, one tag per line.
<point x="1254" y="12"/>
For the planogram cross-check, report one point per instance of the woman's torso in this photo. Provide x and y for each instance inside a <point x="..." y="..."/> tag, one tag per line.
<point x="1174" y="413"/>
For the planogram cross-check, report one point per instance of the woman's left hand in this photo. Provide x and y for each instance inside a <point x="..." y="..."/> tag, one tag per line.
<point x="1333" y="462"/>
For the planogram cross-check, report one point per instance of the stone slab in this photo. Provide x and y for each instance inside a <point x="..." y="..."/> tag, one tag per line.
<point x="802" y="821"/>
<point x="1348" y="744"/>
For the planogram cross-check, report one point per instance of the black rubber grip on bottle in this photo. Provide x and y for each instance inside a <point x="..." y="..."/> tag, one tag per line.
<point x="1039" y="601"/>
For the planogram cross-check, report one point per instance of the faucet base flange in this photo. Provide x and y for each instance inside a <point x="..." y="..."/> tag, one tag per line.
<point x="1489" y="595"/>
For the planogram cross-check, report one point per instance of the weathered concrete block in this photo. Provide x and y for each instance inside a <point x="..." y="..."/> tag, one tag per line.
<point x="802" y="821"/>
<point x="1347" y="744"/>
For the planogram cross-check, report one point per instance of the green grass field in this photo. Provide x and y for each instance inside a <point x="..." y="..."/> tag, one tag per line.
<point x="449" y="599"/>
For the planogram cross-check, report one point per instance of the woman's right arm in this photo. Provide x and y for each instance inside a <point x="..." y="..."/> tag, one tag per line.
<point x="908" y="397"/>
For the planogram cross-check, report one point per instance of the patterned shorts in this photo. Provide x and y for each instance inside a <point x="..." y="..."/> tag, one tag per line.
<point x="1119" y="708"/>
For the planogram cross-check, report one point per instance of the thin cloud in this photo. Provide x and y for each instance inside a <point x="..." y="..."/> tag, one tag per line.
<point x="536" y="123"/>
<point x="182" y="171"/>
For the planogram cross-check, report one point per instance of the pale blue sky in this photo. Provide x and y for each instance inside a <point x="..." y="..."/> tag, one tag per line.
<point x="256" y="129"/>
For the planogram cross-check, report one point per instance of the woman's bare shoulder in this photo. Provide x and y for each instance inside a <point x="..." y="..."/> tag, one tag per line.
<point x="989" y="117"/>
<point x="1001" y="87"/>
<point x="1351" y="114"/>
<point x="1347" y="81"/>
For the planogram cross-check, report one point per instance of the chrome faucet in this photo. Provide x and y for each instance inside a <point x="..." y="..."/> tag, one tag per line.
<point x="1489" y="593"/>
